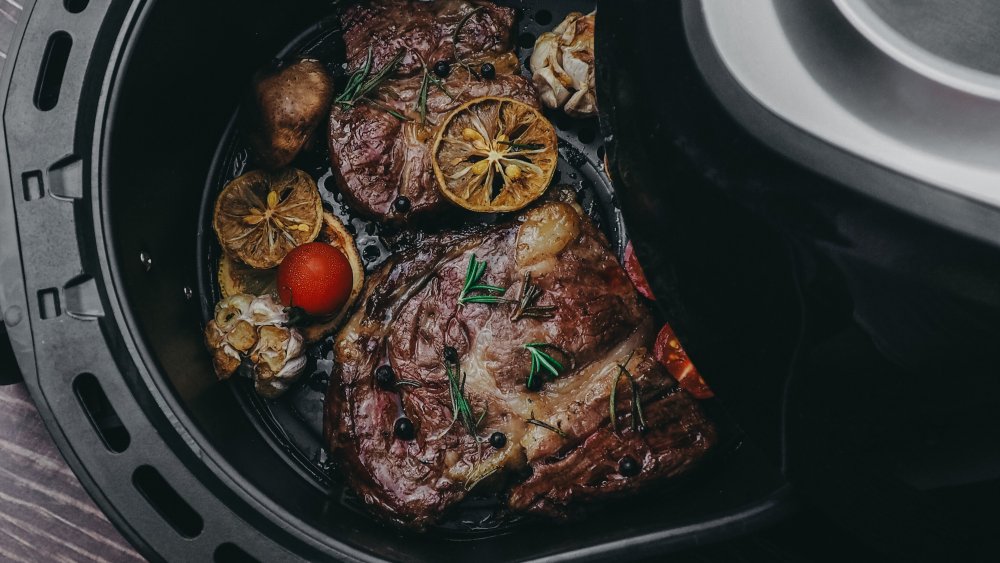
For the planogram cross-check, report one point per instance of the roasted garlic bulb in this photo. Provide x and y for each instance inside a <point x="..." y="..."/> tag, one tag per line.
<point x="278" y="359"/>
<point x="562" y="66"/>
<point x="254" y="327"/>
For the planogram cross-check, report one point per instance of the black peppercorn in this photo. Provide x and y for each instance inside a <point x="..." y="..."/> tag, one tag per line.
<point x="401" y="204"/>
<point x="404" y="429"/>
<point x="488" y="71"/>
<point x="629" y="467"/>
<point x="450" y="355"/>
<point x="442" y="69"/>
<point x="498" y="440"/>
<point x="384" y="377"/>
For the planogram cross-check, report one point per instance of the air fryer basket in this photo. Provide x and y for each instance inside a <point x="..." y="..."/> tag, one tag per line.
<point x="116" y="117"/>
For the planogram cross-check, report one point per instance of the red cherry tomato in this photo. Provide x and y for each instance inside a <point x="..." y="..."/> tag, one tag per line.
<point x="315" y="277"/>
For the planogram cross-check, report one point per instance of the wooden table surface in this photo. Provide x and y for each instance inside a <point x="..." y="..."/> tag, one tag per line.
<point x="45" y="515"/>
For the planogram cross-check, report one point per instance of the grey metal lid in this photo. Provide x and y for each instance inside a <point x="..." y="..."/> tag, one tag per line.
<point x="898" y="100"/>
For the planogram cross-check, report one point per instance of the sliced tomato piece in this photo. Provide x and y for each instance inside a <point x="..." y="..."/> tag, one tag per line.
<point x="669" y="352"/>
<point x="635" y="273"/>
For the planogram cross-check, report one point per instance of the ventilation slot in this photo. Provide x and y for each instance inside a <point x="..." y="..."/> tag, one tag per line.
<point x="75" y="6"/>
<point x="162" y="497"/>
<point x="33" y="187"/>
<point x="50" y="76"/>
<point x="48" y="303"/>
<point x="100" y="412"/>
<point x="230" y="553"/>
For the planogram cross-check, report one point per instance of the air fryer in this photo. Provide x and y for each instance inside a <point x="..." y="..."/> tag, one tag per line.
<point x="846" y="341"/>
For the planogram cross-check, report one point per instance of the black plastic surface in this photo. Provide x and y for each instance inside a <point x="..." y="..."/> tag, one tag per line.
<point x="103" y="192"/>
<point x="9" y="372"/>
<point x="890" y="399"/>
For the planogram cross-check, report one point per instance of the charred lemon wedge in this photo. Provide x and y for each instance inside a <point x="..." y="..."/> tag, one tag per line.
<point x="261" y="216"/>
<point x="236" y="278"/>
<point x="494" y="155"/>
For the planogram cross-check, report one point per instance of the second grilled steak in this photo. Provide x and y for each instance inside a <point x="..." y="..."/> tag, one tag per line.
<point x="378" y="157"/>
<point x="562" y="433"/>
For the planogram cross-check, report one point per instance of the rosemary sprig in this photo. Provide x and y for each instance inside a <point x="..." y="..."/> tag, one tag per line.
<point x="356" y="79"/>
<point x="534" y="421"/>
<point x="379" y="76"/>
<point x="525" y="303"/>
<point x="362" y="87"/>
<point x="454" y="40"/>
<point x="473" y="274"/>
<point x="542" y="361"/>
<point x="386" y="109"/>
<point x="638" y="417"/>
<point x="460" y="407"/>
<point x="408" y="383"/>
<point x="487" y="299"/>
<point x="522" y="146"/>
<point x="437" y="82"/>
<point x="422" y="96"/>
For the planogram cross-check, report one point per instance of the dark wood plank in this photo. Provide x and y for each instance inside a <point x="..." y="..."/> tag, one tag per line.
<point x="45" y="515"/>
<point x="10" y="13"/>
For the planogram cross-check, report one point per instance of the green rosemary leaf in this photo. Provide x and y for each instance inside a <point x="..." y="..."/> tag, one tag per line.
<point x="525" y="305"/>
<point x="487" y="299"/>
<point x="533" y="372"/>
<point x="437" y="82"/>
<point x="397" y="115"/>
<point x="540" y="360"/>
<point x="422" y="96"/>
<point x="460" y="407"/>
<point x="373" y="82"/>
<point x="614" y="399"/>
<point x="387" y="109"/>
<point x="638" y="417"/>
<point x="455" y="40"/>
<point x="461" y="24"/>
<point x="408" y="383"/>
<point x="356" y="79"/>
<point x="534" y="421"/>
<point x="473" y="273"/>
<point x="637" y="414"/>
<point x="493" y="288"/>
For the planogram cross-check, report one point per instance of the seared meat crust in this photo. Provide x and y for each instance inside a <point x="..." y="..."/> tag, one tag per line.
<point x="410" y="312"/>
<point x="376" y="156"/>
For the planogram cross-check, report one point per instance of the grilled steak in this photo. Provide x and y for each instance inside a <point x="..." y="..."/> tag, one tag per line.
<point x="377" y="156"/>
<point x="560" y="435"/>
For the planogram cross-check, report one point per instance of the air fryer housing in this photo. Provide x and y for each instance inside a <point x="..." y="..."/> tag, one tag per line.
<point x="113" y="114"/>
<point x="848" y="341"/>
<point x="887" y="409"/>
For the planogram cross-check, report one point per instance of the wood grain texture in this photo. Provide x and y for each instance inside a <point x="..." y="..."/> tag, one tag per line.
<point x="45" y="515"/>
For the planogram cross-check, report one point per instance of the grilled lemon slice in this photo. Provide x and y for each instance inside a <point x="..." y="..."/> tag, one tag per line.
<point x="261" y="216"/>
<point x="494" y="155"/>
